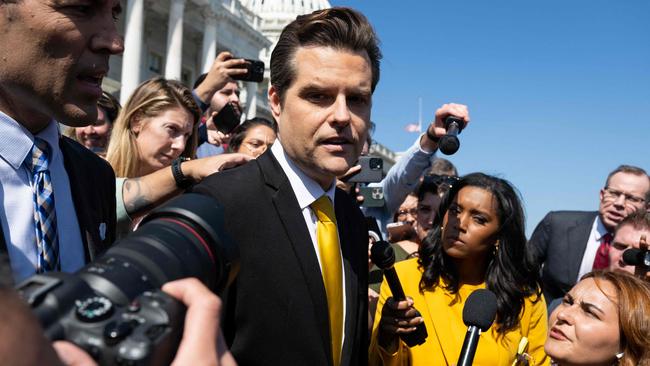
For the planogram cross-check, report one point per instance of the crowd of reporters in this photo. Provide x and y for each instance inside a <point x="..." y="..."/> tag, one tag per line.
<point x="452" y="235"/>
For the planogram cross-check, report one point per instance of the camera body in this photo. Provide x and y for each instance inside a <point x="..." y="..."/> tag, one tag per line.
<point x="113" y="308"/>
<point x="145" y="331"/>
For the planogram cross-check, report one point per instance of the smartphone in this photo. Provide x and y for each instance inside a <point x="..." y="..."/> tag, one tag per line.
<point x="255" y="71"/>
<point x="372" y="196"/>
<point x="399" y="231"/>
<point x="372" y="169"/>
<point x="227" y="119"/>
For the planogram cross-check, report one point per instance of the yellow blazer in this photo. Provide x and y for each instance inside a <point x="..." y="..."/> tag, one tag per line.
<point x="443" y="317"/>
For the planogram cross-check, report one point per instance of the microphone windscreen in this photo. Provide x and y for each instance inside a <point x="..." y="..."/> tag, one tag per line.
<point x="633" y="256"/>
<point x="382" y="254"/>
<point x="448" y="145"/>
<point x="480" y="309"/>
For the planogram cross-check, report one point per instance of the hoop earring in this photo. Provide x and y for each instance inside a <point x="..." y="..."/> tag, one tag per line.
<point x="619" y="356"/>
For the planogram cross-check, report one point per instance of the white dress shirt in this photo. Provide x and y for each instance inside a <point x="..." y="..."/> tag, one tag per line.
<point x="17" y="218"/>
<point x="598" y="230"/>
<point x="307" y="191"/>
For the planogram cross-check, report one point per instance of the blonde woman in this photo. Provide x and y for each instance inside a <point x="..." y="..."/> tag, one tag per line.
<point x="153" y="139"/>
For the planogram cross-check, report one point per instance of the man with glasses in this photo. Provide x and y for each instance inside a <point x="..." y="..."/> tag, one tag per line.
<point x="572" y="243"/>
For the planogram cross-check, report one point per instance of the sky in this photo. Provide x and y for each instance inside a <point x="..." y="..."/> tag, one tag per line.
<point x="558" y="91"/>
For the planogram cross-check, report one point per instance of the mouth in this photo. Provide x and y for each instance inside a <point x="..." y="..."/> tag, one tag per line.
<point x="336" y="143"/>
<point x="557" y="334"/>
<point x="91" y="82"/>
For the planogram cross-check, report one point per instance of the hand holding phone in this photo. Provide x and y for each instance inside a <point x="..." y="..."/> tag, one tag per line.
<point x="255" y="71"/>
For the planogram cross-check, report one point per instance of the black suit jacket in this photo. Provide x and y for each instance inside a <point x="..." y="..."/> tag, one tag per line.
<point x="92" y="184"/>
<point x="559" y="242"/>
<point x="275" y="313"/>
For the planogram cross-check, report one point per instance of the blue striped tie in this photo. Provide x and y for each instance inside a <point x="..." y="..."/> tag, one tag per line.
<point x="47" y="240"/>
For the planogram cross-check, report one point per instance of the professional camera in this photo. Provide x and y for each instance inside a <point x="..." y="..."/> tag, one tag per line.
<point x="113" y="308"/>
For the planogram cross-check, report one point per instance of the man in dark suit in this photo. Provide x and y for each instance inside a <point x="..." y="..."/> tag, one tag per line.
<point x="58" y="198"/>
<point x="300" y="296"/>
<point x="571" y="243"/>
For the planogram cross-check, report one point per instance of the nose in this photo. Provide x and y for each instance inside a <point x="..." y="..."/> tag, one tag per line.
<point x="178" y="143"/>
<point x="107" y="39"/>
<point x="341" y="111"/>
<point x="565" y="313"/>
<point x="620" y="200"/>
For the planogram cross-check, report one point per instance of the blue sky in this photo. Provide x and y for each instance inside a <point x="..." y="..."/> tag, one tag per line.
<point x="558" y="91"/>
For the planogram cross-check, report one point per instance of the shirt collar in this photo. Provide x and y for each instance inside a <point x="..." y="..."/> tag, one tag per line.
<point x="305" y="188"/>
<point x="16" y="141"/>
<point x="601" y="230"/>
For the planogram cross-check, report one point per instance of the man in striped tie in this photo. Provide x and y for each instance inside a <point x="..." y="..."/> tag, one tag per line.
<point x="58" y="199"/>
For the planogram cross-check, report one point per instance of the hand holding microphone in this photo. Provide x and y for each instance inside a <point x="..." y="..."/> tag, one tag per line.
<point x="398" y="316"/>
<point x="450" y="120"/>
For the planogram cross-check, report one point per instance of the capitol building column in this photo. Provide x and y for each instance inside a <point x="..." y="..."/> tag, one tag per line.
<point x="175" y="40"/>
<point x="132" y="56"/>
<point x="209" y="50"/>
<point x="251" y="100"/>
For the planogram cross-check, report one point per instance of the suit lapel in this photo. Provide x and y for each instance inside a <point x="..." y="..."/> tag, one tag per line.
<point x="350" y="257"/>
<point x="577" y="238"/>
<point x="83" y="208"/>
<point x="287" y="209"/>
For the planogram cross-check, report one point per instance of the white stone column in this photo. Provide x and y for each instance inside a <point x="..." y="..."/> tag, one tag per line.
<point x="209" y="51"/>
<point x="174" y="58"/>
<point x="251" y="100"/>
<point x="132" y="57"/>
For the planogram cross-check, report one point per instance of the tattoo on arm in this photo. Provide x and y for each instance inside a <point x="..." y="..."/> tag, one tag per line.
<point x="135" y="199"/>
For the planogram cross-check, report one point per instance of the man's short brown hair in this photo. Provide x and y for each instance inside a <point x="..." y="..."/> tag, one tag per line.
<point x="630" y="169"/>
<point x="339" y="28"/>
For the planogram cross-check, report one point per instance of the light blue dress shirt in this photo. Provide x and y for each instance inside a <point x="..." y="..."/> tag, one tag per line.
<point x="16" y="195"/>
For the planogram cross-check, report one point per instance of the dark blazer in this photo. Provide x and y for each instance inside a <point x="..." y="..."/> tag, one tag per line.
<point x="275" y="313"/>
<point x="92" y="183"/>
<point x="559" y="242"/>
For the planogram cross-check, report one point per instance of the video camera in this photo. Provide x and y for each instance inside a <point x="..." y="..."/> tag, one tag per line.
<point x="113" y="308"/>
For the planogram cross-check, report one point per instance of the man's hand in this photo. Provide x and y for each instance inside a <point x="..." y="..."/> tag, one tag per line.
<point x="202" y="342"/>
<point x="437" y="127"/>
<point x="221" y="72"/>
<point x="215" y="137"/>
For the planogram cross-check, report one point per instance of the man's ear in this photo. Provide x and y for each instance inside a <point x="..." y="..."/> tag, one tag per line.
<point x="275" y="102"/>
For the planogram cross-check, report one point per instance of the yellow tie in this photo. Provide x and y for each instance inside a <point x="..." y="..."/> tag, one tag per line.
<point x="332" y="269"/>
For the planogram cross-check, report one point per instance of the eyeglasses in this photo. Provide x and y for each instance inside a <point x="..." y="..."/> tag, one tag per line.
<point x="410" y="211"/>
<point x="443" y="182"/>
<point x="613" y="194"/>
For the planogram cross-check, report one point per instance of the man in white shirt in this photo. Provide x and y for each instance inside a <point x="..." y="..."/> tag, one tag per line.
<point x="572" y="243"/>
<point x="52" y="61"/>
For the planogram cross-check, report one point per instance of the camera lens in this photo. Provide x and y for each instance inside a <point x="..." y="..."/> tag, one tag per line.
<point x="376" y="164"/>
<point x="181" y="239"/>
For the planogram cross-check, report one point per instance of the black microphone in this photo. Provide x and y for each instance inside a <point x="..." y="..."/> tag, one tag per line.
<point x="449" y="143"/>
<point x="478" y="314"/>
<point x="636" y="257"/>
<point x="383" y="256"/>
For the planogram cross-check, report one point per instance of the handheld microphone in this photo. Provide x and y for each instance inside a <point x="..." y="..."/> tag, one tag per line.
<point x="478" y="314"/>
<point x="449" y="143"/>
<point x="639" y="258"/>
<point x="383" y="256"/>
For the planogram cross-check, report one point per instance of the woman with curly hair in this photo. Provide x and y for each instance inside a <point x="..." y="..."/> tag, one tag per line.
<point x="477" y="241"/>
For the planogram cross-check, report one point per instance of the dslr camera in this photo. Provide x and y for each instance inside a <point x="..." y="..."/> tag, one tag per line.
<point x="114" y="309"/>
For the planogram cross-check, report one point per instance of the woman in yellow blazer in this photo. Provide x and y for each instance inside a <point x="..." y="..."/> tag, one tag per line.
<point x="478" y="241"/>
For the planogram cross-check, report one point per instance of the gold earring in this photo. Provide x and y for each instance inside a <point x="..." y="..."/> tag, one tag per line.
<point x="496" y="247"/>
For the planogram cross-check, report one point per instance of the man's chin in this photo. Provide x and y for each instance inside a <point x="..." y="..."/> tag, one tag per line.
<point x="77" y="116"/>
